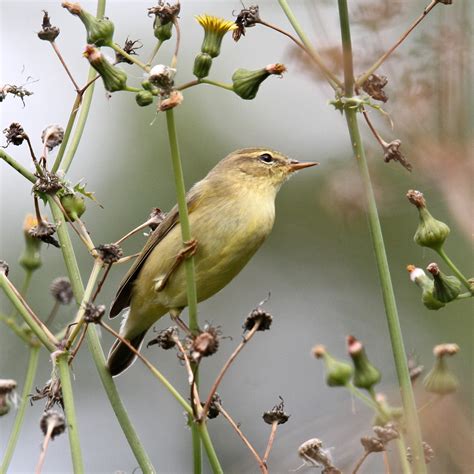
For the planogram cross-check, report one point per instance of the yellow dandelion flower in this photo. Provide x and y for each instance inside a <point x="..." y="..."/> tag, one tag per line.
<point x="214" y="30"/>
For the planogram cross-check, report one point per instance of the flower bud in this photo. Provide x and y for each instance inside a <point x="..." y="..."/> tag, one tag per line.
<point x="202" y="65"/>
<point x="446" y="288"/>
<point x="440" y="379"/>
<point x="100" y="31"/>
<point x="163" y="32"/>
<point x="418" y="276"/>
<point x="246" y="83"/>
<point x="74" y="205"/>
<point x="338" y="373"/>
<point x="214" y="30"/>
<point x="114" y="78"/>
<point x="431" y="232"/>
<point x="165" y="16"/>
<point x="30" y="259"/>
<point x="144" y="98"/>
<point x="365" y="374"/>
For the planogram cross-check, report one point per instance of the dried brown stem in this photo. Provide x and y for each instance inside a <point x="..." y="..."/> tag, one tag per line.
<point x="134" y="231"/>
<point x="271" y="439"/>
<point x="44" y="448"/>
<point x="78" y="345"/>
<point x="58" y="53"/>
<point x="188" y="84"/>
<point x="53" y="313"/>
<point x="234" y="354"/>
<point x="174" y="59"/>
<point x="127" y="258"/>
<point x="360" y="462"/>
<point x="261" y="464"/>
<point x="101" y="282"/>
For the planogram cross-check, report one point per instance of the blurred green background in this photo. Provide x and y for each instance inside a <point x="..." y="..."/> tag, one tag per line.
<point x="318" y="263"/>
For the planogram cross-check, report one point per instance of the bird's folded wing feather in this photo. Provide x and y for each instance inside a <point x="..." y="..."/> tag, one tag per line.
<point x="123" y="296"/>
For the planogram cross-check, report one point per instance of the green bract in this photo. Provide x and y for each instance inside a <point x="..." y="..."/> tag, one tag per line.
<point x="144" y="98"/>
<point x="202" y="65"/>
<point x="74" y="205"/>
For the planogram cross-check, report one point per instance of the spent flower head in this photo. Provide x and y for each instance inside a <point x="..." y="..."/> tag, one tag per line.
<point x="61" y="290"/>
<point x="276" y="414"/>
<point x="7" y="395"/>
<point x="52" y="422"/>
<point x="114" y="78"/>
<point x="48" y="32"/>
<point x="166" y="339"/>
<point x="52" y="136"/>
<point x="14" y="134"/>
<point x="109" y="253"/>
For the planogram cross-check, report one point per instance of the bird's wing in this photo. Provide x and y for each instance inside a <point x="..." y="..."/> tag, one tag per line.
<point x="124" y="293"/>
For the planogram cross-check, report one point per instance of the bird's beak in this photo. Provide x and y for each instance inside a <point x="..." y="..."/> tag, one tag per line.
<point x="297" y="165"/>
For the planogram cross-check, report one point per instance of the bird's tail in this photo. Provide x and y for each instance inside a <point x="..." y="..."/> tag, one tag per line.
<point x="121" y="357"/>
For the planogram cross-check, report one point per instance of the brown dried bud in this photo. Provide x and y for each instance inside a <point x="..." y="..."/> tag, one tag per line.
<point x="205" y="343"/>
<point x="14" y="134"/>
<point x="52" y="422"/>
<point x="130" y="47"/>
<point x="44" y="231"/>
<point x="4" y="267"/>
<point x="372" y="445"/>
<point x="416" y="198"/>
<point x="109" y="253"/>
<point x="374" y="87"/>
<point x="276" y="414"/>
<point x="48" y="32"/>
<point x="94" y="313"/>
<point x="166" y="338"/>
<point x="391" y="152"/>
<point x="442" y="350"/>
<point x="157" y="216"/>
<point x="52" y="136"/>
<point x="214" y="406"/>
<point x="61" y="290"/>
<point x="48" y="183"/>
<point x="175" y="98"/>
<point x="386" y="433"/>
<point x="164" y="12"/>
<point x="258" y="315"/>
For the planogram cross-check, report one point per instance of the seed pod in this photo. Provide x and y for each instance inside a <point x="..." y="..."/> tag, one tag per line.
<point x="114" y="78"/>
<point x="418" y="276"/>
<point x="338" y="373"/>
<point x="446" y="288"/>
<point x="202" y="65"/>
<point x="163" y="32"/>
<point x="246" y="83"/>
<point x="74" y="205"/>
<point x="365" y="374"/>
<point x="144" y="98"/>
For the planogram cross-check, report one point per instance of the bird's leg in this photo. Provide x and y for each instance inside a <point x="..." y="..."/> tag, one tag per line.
<point x="175" y="316"/>
<point x="187" y="251"/>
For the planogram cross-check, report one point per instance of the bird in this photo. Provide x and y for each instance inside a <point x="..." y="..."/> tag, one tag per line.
<point x="231" y="213"/>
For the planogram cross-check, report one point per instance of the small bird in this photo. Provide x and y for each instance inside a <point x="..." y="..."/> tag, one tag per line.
<point x="231" y="212"/>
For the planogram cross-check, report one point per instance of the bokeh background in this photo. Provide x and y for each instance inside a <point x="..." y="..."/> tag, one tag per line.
<point x="318" y="263"/>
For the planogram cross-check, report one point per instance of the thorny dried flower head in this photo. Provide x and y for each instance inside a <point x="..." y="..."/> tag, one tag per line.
<point x="312" y="451"/>
<point x="130" y="47"/>
<point x="166" y="338"/>
<point x="109" y="253"/>
<point x="246" y="18"/>
<point x="156" y="217"/>
<point x="374" y="87"/>
<point x="372" y="445"/>
<point x="175" y="98"/>
<point x="205" y="344"/>
<point x="276" y="414"/>
<point x="52" y="136"/>
<point x="165" y="12"/>
<point x="416" y="198"/>
<point x="391" y="152"/>
<point x="94" y="313"/>
<point x="442" y="350"/>
<point x="48" y="182"/>
<point x="61" y="290"/>
<point x="52" y="391"/>
<point x="14" y="134"/>
<point x="386" y="433"/>
<point x="54" y="422"/>
<point x="260" y="316"/>
<point x="48" y="32"/>
<point x="4" y="267"/>
<point x="44" y="231"/>
<point x="427" y="451"/>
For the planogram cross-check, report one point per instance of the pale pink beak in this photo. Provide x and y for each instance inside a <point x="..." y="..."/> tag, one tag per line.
<point x="296" y="165"/>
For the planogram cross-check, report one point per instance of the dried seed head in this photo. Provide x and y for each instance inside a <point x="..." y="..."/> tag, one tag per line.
<point x="276" y="414"/>
<point x="166" y="338"/>
<point x="14" y="134"/>
<point x="391" y="152"/>
<point x="416" y="198"/>
<point x="52" y="136"/>
<point x="109" y="253"/>
<point x="4" y="267"/>
<point x="374" y="87"/>
<point x="48" y="183"/>
<point x="44" y="231"/>
<point x="61" y="290"/>
<point x="53" y="420"/>
<point x="205" y="343"/>
<point x="258" y="315"/>
<point x="157" y="216"/>
<point x="7" y="395"/>
<point x="427" y="451"/>
<point x="313" y="452"/>
<point x="94" y="313"/>
<point x="372" y="445"/>
<point x="174" y="99"/>
<point x="130" y="47"/>
<point x="247" y="18"/>
<point x="52" y="391"/>
<point x="164" y="12"/>
<point x="386" y="433"/>
<point x="48" y="32"/>
<point x="214" y="410"/>
<point x="162" y="77"/>
<point x="442" y="350"/>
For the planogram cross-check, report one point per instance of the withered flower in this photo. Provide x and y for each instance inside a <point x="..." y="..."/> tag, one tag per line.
<point x="44" y="231"/>
<point x="175" y="98"/>
<point x="205" y="344"/>
<point x="260" y="316"/>
<point x="94" y="313"/>
<point x="246" y="18"/>
<point x="372" y="445"/>
<point x="4" y="267"/>
<point x="7" y="394"/>
<point x="109" y="253"/>
<point x="52" y="422"/>
<point x="52" y="136"/>
<point x="48" y="32"/>
<point x="130" y="47"/>
<point x="48" y="183"/>
<point x="14" y="134"/>
<point x="374" y="87"/>
<point x="391" y="152"/>
<point x="166" y="338"/>
<point x="61" y="290"/>
<point x="156" y="217"/>
<point x="276" y="414"/>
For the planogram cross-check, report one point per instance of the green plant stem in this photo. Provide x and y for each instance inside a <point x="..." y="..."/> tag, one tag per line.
<point x="222" y="85"/>
<point x="154" y="53"/>
<point x="24" y="403"/>
<point x="70" y="412"/>
<point x="131" y="58"/>
<point x="364" y="398"/>
<point x="208" y="446"/>
<point x="18" y="330"/>
<point x="40" y="330"/>
<point x="411" y="415"/>
<point x="333" y="81"/>
<point x="197" y="448"/>
<point x="14" y="164"/>
<point x="453" y="268"/>
<point x="402" y="454"/>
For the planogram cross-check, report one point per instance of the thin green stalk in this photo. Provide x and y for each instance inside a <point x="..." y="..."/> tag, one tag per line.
<point x="402" y="454"/>
<point x="14" y="164"/>
<point x="334" y="82"/>
<point x="154" y="53"/>
<point x="197" y="448"/>
<point x="454" y="269"/>
<point x="399" y="354"/>
<point x="24" y="403"/>
<point x="228" y="87"/>
<point x="40" y="330"/>
<point x="70" y="412"/>
<point x="211" y="453"/>
<point x="19" y="331"/>
<point x="130" y="57"/>
<point x="364" y="398"/>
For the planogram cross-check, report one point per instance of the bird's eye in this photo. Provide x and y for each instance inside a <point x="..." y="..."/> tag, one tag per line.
<point x="266" y="158"/>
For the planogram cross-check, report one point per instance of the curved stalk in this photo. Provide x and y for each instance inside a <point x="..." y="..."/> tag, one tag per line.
<point x="454" y="269"/>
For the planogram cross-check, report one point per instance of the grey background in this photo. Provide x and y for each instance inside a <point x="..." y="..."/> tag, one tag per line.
<point x="318" y="262"/>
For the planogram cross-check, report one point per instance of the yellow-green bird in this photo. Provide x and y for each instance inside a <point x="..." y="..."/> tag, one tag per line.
<point x="231" y="212"/>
